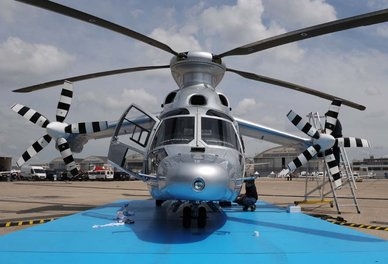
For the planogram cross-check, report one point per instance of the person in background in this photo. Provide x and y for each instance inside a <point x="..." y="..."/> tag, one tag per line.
<point x="249" y="198"/>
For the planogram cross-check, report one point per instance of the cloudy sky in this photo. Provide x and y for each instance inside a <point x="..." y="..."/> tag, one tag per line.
<point x="37" y="46"/>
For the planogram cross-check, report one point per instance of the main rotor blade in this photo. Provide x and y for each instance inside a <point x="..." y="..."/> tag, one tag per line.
<point x="31" y="115"/>
<point x="64" y="101"/>
<point x="71" y="12"/>
<point x="37" y="87"/>
<point x="295" y="87"/>
<point x="309" y="32"/>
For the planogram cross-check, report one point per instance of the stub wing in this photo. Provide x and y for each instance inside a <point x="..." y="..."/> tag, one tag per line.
<point x="257" y="131"/>
<point x="247" y="128"/>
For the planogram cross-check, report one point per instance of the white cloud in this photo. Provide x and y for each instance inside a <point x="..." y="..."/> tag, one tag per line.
<point x="245" y="106"/>
<point x="180" y="41"/>
<point x="233" y="25"/>
<point x="120" y="102"/>
<point x="299" y="13"/>
<point x="227" y="27"/>
<point x="31" y="59"/>
<point x="382" y="31"/>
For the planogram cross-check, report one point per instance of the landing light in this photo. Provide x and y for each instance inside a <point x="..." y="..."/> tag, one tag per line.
<point x="199" y="184"/>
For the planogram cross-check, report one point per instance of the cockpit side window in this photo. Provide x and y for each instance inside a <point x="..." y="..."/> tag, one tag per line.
<point x="175" y="130"/>
<point x="216" y="131"/>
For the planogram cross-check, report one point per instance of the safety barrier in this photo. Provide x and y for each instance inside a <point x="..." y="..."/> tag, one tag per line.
<point x="26" y="222"/>
<point x="341" y="221"/>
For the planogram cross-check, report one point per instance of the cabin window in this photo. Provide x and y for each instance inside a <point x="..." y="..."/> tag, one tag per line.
<point x="218" y="132"/>
<point x="175" y="130"/>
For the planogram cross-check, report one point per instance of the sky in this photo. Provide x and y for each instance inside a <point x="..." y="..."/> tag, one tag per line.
<point x="37" y="46"/>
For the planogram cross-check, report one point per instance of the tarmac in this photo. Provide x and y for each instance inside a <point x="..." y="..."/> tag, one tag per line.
<point x="23" y="203"/>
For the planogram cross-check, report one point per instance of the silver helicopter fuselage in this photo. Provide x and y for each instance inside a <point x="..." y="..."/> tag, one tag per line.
<point x="194" y="151"/>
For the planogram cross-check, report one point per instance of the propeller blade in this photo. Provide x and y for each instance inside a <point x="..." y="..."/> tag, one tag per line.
<point x="304" y="157"/>
<point x="71" y="12"/>
<point x="67" y="156"/>
<point x="309" y="32"/>
<point x="295" y="87"/>
<point x="31" y="115"/>
<point x="332" y="116"/>
<point x="64" y="101"/>
<point x="86" y="127"/>
<point x="303" y="125"/>
<point x="37" y="87"/>
<point x="34" y="149"/>
<point x="332" y="163"/>
<point x="352" y="142"/>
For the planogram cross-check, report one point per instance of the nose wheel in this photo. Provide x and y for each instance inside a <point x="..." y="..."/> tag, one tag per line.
<point x="194" y="211"/>
<point x="186" y="220"/>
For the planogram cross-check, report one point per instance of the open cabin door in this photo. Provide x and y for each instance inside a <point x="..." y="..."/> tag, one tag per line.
<point x="133" y="132"/>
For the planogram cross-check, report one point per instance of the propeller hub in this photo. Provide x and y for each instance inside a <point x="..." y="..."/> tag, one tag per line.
<point x="325" y="141"/>
<point x="57" y="130"/>
<point x="197" y="67"/>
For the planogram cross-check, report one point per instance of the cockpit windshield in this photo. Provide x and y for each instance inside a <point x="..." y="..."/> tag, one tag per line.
<point x="175" y="130"/>
<point x="218" y="132"/>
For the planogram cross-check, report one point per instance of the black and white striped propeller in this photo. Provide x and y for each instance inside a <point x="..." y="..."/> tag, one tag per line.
<point x="58" y="130"/>
<point x="323" y="142"/>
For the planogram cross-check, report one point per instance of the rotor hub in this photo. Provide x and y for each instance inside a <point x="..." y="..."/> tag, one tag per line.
<point x="56" y="129"/>
<point x="325" y="141"/>
<point x="197" y="67"/>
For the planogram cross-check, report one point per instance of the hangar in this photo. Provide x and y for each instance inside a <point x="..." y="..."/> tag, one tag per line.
<point x="275" y="159"/>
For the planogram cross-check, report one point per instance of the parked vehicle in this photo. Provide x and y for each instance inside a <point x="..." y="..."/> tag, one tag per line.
<point x="101" y="175"/>
<point x="33" y="173"/>
<point x="51" y="175"/>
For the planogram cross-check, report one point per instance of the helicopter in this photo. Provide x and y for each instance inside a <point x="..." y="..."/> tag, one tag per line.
<point x="193" y="149"/>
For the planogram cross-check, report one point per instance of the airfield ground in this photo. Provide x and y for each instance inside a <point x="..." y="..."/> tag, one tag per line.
<point x="22" y="200"/>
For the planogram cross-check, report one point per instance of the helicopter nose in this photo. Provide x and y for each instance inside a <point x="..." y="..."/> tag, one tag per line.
<point x="188" y="178"/>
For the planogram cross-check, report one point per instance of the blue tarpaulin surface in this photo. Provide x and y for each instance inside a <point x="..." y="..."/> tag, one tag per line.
<point x="268" y="235"/>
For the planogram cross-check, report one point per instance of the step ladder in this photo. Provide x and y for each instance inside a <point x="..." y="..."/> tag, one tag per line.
<point x="347" y="178"/>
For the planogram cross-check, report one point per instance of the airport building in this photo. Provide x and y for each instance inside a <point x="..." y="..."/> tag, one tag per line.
<point x="272" y="161"/>
<point x="373" y="167"/>
<point x="134" y="161"/>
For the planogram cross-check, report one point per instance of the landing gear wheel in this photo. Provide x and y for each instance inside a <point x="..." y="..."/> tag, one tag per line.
<point x="201" y="217"/>
<point x="186" y="217"/>
<point x="159" y="202"/>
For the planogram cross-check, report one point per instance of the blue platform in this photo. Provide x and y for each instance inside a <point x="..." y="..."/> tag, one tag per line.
<point x="268" y="235"/>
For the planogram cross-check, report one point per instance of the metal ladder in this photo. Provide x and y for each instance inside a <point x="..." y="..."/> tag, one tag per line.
<point x="346" y="176"/>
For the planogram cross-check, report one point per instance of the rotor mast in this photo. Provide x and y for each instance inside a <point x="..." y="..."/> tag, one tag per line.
<point x="197" y="67"/>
